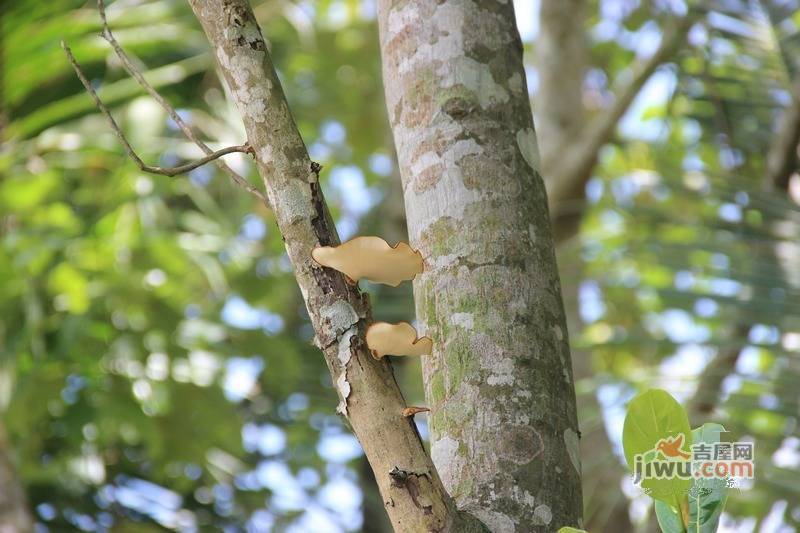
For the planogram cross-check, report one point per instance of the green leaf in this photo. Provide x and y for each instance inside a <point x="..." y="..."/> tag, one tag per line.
<point x="652" y="416"/>
<point x="571" y="530"/>
<point x="708" y="496"/>
<point x="669" y="519"/>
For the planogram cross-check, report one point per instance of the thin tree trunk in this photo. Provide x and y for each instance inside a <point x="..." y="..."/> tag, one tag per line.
<point x="569" y="143"/>
<point x="560" y="62"/>
<point x="605" y="506"/>
<point x="412" y="491"/>
<point x="14" y="514"/>
<point x="503" y="424"/>
<point x="560" y="121"/>
<point x="569" y="146"/>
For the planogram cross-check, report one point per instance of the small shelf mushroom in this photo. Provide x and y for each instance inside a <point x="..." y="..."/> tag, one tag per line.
<point x="396" y="339"/>
<point x="371" y="258"/>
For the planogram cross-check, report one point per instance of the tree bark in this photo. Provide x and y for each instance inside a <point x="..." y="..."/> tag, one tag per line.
<point x="371" y="401"/>
<point x="503" y="425"/>
<point x="14" y="514"/>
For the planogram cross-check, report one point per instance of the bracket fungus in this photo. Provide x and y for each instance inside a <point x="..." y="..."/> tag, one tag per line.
<point x="371" y="258"/>
<point x="396" y="339"/>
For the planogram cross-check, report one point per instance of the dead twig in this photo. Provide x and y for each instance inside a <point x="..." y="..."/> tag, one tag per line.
<point x="166" y="171"/>
<point x="413" y="410"/>
<point x="136" y="74"/>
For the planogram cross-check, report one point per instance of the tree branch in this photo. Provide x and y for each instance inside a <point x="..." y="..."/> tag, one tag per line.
<point x="567" y="180"/>
<point x="709" y="386"/>
<point x="370" y="398"/>
<point x="187" y="131"/>
<point x="165" y="171"/>
<point x="561" y="51"/>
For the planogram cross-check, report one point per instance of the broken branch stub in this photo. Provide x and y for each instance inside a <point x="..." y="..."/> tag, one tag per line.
<point x="413" y="410"/>
<point x="371" y="258"/>
<point x="396" y="339"/>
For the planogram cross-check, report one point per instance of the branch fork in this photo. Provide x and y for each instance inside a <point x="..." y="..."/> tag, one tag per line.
<point x="210" y="155"/>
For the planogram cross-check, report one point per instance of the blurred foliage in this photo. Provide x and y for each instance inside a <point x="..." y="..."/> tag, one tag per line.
<point x="156" y="369"/>
<point x="690" y="256"/>
<point x="157" y="366"/>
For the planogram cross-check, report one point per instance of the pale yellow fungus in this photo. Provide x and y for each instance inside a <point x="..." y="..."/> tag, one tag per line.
<point x="371" y="258"/>
<point x="396" y="339"/>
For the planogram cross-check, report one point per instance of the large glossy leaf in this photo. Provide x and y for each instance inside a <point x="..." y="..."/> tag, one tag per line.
<point x="652" y="416"/>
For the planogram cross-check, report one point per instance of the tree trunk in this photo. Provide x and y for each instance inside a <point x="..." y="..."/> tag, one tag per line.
<point x="504" y="430"/>
<point x="569" y="148"/>
<point x="14" y="515"/>
<point x="569" y="143"/>
<point x="561" y="121"/>
<point x="371" y="401"/>
<point x="560" y="58"/>
<point x="605" y="507"/>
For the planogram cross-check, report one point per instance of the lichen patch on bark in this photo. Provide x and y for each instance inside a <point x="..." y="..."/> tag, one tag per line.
<point x="572" y="442"/>
<point x="445" y="452"/>
<point x="526" y="140"/>
<point x="463" y="320"/>
<point x="542" y="515"/>
<point x="337" y="317"/>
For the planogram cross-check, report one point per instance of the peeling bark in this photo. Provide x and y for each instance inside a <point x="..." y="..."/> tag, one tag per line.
<point x="503" y="424"/>
<point x="14" y="515"/>
<point x="370" y="398"/>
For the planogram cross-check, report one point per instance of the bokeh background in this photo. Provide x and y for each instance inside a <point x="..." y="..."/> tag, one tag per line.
<point x="156" y="366"/>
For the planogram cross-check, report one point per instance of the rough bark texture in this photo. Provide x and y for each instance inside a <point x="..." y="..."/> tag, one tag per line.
<point x="14" y="515"/>
<point x="503" y="424"/>
<point x="370" y="399"/>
